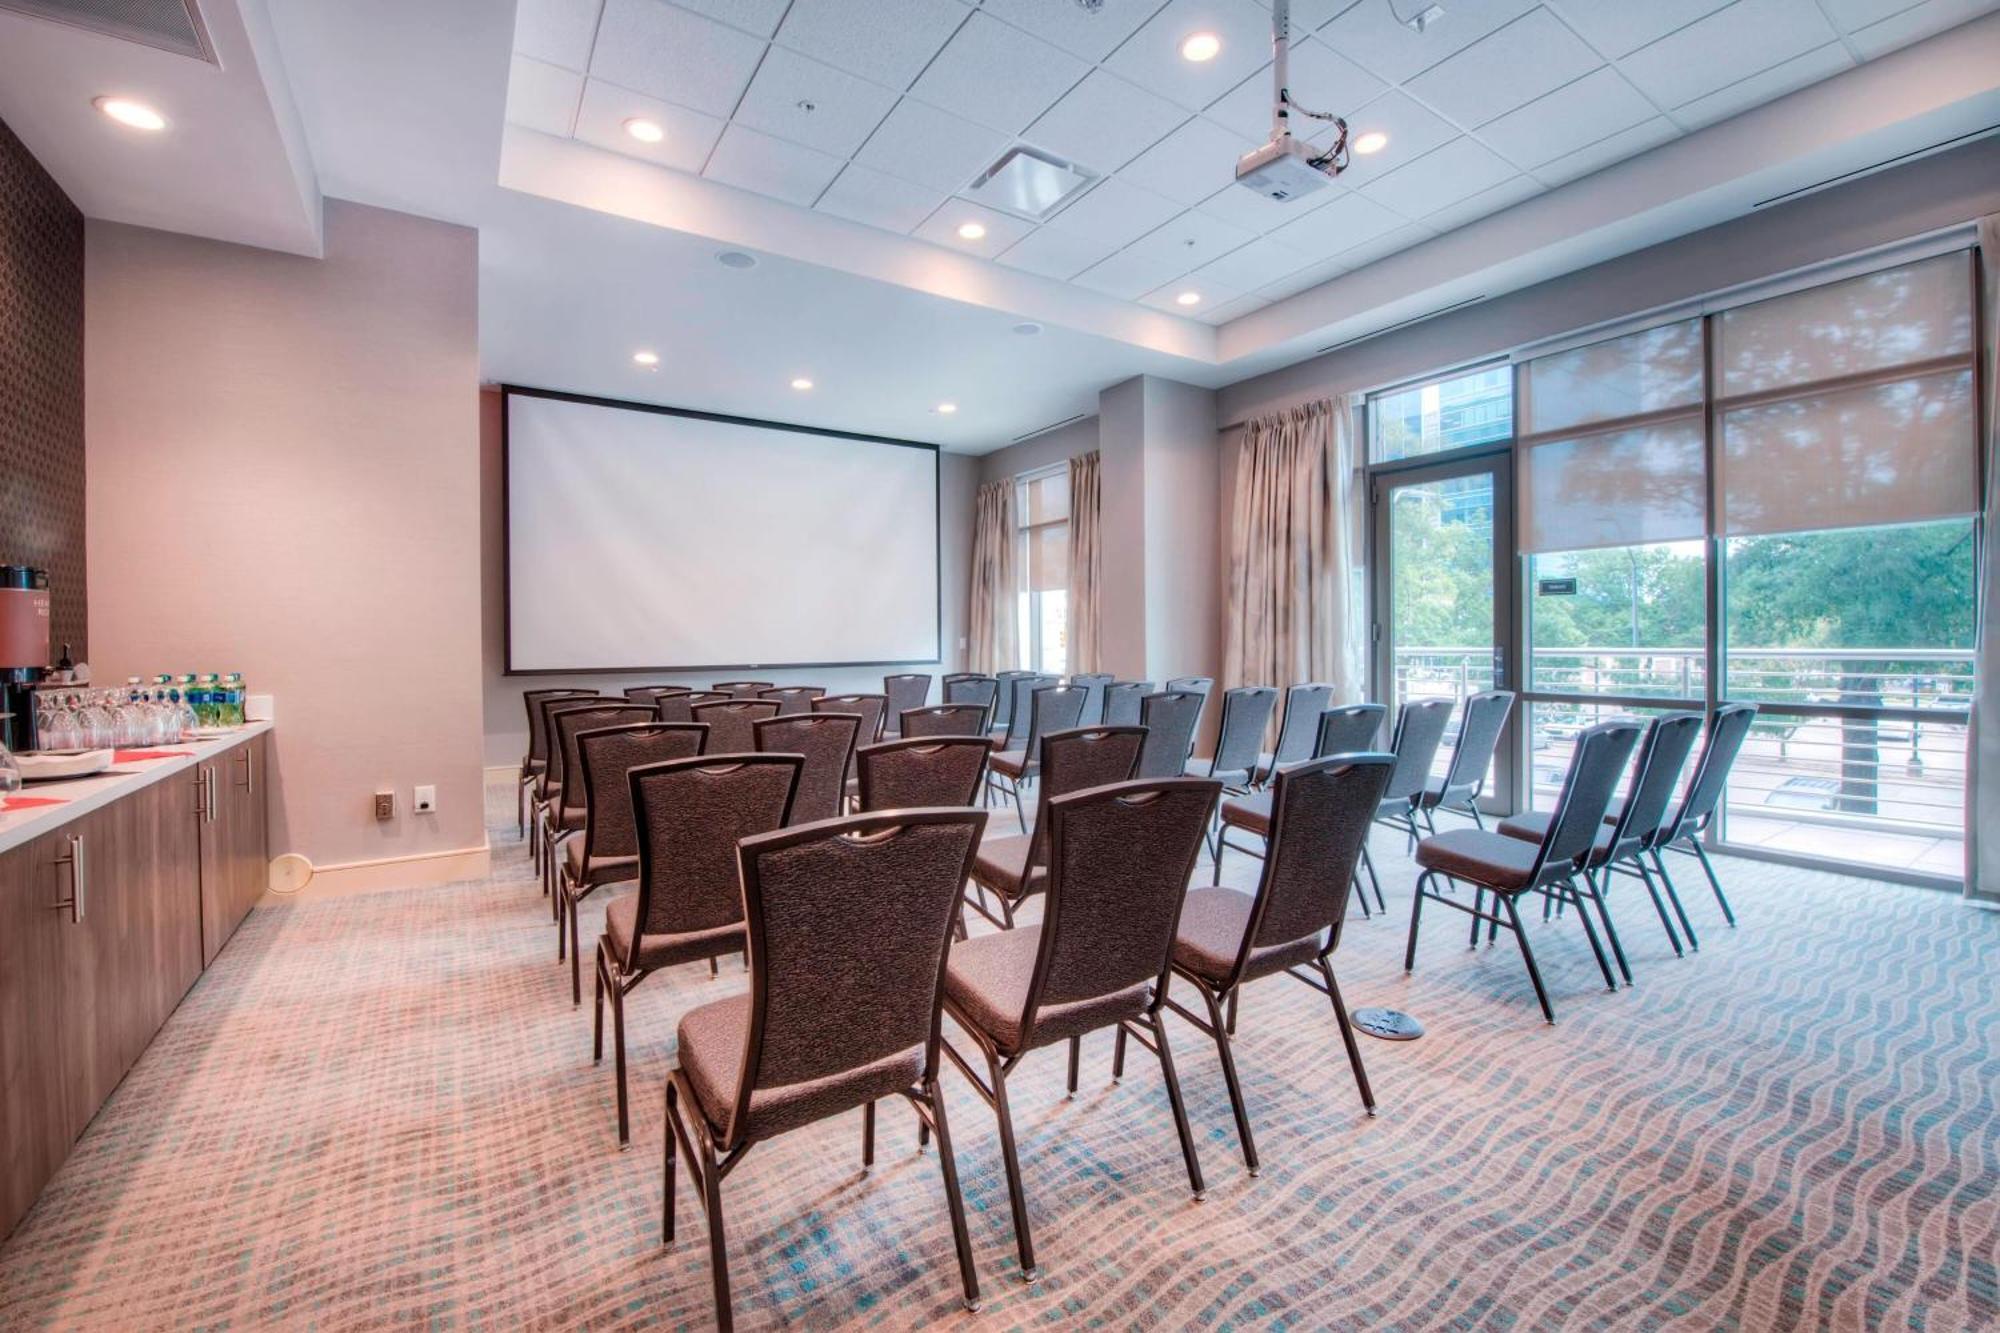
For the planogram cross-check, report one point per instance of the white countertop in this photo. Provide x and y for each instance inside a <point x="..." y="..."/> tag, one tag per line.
<point x="80" y="796"/>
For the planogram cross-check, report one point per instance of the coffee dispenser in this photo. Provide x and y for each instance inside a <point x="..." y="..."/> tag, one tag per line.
<point x="24" y="649"/>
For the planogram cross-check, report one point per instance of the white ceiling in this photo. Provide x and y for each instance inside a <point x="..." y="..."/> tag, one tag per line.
<point x="912" y="99"/>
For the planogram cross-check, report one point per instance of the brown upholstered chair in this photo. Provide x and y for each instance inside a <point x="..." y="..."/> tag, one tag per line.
<point x="1122" y="702"/>
<point x="903" y="692"/>
<point x="1119" y="861"/>
<point x="652" y="694"/>
<point x="536" y="761"/>
<point x="1298" y="729"/>
<point x="1508" y="868"/>
<point x="1169" y="718"/>
<point x="826" y="742"/>
<point x="1350" y="729"/>
<point x="850" y="925"/>
<point x="690" y="815"/>
<point x="921" y="771"/>
<point x="794" y="699"/>
<point x="732" y="722"/>
<point x="868" y="706"/>
<point x="545" y="783"/>
<point x="970" y="688"/>
<point x="1013" y="868"/>
<point x="608" y="851"/>
<point x="743" y="689"/>
<point x="1322" y="810"/>
<point x="1052" y="708"/>
<point x="944" y="720"/>
<point x="1458" y="788"/>
<point x="562" y="814"/>
<point x="679" y="707"/>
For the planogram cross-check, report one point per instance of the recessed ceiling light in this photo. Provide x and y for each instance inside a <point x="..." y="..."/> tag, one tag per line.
<point x="644" y="130"/>
<point x="1028" y="329"/>
<point x="947" y="408"/>
<point x="802" y="384"/>
<point x="646" y="358"/>
<point x="736" y="259"/>
<point x="125" y="111"/>
<point x="1188" y="298"/>
<point x="1372" y="142"/>
<point x="1201" y="47"/>
<point x="972" y="231"/>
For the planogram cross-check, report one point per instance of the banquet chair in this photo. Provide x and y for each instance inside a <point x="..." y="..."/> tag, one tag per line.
<point x="1094" y="683"/>
<point x="793" y="699"/>
<point x="968" y="688"/>
<point x="1458" y="789"/>
<point x="1349" y="729"/>
<point x="652" y="694"/>
<point x="1297" y="729"/>
<point x="1169" y="718"/>
<point x="918" y="771"/>
<point x="1420" y="725"/>
<point x="562" y="815"/>
<point x="1053" y="708"/>
<point x="945" y="720"/>
<point x="1003" y="695"/>
<point x="1122" y="701"/>
<point x="680" y="707"/>
<point x="743" y="689"/>
<point x="732" y="722"/>
<point x="910" y="689"/>
<point x="1728" y="727"/>
<point x="536" y="761"/>
<point x="825" y="741"/>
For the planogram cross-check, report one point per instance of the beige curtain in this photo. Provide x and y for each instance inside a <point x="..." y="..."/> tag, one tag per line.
<point x="994" y="610"/>
<point x="1086" y="564"/>
<point x="1295" y="609"/>
<point x="1982" y="785"/>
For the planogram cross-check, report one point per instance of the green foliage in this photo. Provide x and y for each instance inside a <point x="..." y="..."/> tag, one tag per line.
<point x="1901" y="587"/>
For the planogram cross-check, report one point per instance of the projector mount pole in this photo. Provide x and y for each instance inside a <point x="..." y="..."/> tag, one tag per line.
<point x="1282" y="103"/>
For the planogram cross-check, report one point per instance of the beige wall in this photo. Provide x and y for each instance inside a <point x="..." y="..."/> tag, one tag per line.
<point x="283" y="480"/>
<point x="506" y="715"/>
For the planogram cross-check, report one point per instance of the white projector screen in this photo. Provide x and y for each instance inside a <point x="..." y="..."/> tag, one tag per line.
<point x="642" y="539"/>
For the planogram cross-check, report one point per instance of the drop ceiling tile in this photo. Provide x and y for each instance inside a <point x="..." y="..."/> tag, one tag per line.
<point x="1341" y="225"/>
<point x="788" y="171"/>
<point x="1090" y="35"/>
<point x="1534" y="54"/>
<point x="1002" y="229"/>
<point x="1152" y="59"/>
<point x="1056" y="254"/>
<point x="1413" y="130"/>
<point x="1490" y="200"/>
<point x="862" y="194"/>
<point x="1124" y="276"/>
<point x="1388" y="243"/>
<point x="1913" y="25"/>
<point x="673" y="55"/>
<point x="1105" y="122"/>
<point x="1647" y="134"/>
<point x="1246" y="208"/>
<point x="1114" y="213"/>
<point x="1853" y="15"/>
<point x="758" y="16"/>
<point x="1321" y="78"/>
<point x="1248" y="267"/>
<point x="998" y="75"/>
<point x="1228" y="310"/>
<point x="1304" y="280"/>
<point x="889" y="41"/>
<point x="1188" y="164"/>
<point x="558" y="31"/>
<point x="1728" y="46"/>
<point x="813" y="104"/>
<point x="1373" y="37"/>
<point x="1599" y="104"/>
<point x="1620" y="27"/>
<point x="606" y="107"/>
<point x="1439" y="179"/>
<point x="1167" y="297"/>
<point x="1775" y="82"/>
<point x="542" y="96"/>
<point x="931" y="147"/>
<point x="1189" y="241"/>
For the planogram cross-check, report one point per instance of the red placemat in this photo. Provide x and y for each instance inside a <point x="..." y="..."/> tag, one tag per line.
<point x="30" y="802"/>
<point x="139" y="756"/>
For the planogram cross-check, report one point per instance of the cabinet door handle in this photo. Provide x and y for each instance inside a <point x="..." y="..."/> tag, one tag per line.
<point x="211" y="793"/>
<point x="73" y="858"/>
<point x="249" y="783"/>
<point x="200" y="796"/>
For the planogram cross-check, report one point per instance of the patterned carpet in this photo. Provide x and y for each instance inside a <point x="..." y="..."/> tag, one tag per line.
<point x="382" y="1110"/>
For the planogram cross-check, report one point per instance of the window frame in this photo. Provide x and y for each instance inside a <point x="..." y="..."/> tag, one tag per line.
<point x="1029" y="654"/>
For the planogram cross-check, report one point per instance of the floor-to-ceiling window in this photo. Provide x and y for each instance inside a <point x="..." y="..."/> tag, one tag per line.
<point x="1044" y="564"/>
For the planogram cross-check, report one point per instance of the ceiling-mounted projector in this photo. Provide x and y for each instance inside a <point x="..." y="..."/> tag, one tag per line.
<point x="1286" y="168"/>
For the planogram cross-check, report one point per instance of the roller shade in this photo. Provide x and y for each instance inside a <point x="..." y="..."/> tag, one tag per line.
<point x="1047" y="559"/>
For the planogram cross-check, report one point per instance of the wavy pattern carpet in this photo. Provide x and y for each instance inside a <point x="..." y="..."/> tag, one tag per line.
<point x="382" y="1110"/>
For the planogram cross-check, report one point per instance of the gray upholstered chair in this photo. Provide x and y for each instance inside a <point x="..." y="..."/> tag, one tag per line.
<point x="921" y="771"/>
<point x="1052" y="708"/>
<point x="1169" y="718"/>
<point x="563" y="814"/>
<point x="1119" y="861"/>
<point x="1507" y="867"/>
<point x="970" y="688"/>
<point x="910" y="689"/>
<point x="793" y="699"/>
<point x="1321" y="813"/>
<point x="545" y="788"/>
<point x="826" y="742"/>
<point x="1457" y="789"/>
<point x="690" y="814"/>
<point x="1011" y="868"/>
<point x="1246" y="716"/>
<point x="536" y="761"/>
<point x="608" y="851"/>
<point x="1420" y="725"/>
<point x="1728" y="727"/>
<point x="1298" y="729"/>
<point x="1018" y="688"/>
<point x="732" y="723"/>
<point x="850" y="926"/>
<point x="1121" y="702"/>
<point x="1003" y="695"/>
<point x="1095" y="683"/>
<point x="743" y="689"/>
<point x="967" y="719"/>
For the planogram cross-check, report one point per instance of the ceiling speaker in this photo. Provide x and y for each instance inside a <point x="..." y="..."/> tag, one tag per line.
<point x="170" y="25"/>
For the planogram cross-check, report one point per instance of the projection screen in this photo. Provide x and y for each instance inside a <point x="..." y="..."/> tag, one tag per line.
<point x="647" y="539"/>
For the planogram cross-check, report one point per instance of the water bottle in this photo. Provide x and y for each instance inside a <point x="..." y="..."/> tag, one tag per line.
<point x="233" y="693"/>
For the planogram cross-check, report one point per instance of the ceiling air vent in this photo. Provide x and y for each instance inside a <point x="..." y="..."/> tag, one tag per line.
<point x="1044" y="430"/>
<point x="170" y="25"/>
<point x="1025" y="182"/>
<point x="1401" y="324"/>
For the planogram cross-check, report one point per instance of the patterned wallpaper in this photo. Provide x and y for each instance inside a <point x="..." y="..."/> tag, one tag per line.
<point x="41" y="384"/>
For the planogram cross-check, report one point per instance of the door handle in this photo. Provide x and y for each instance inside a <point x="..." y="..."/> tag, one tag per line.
<point x="73" y="858"/>
<point x="211" y="793"/>
<point x="200" y="795"/>
<point x="249" y="783"/>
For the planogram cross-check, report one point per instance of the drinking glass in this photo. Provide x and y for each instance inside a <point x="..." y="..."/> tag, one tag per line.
<point x="94" y="721"/>
<point x="10" y="772"/>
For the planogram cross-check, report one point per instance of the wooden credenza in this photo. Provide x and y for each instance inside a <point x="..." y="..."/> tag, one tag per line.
<point x="107" y="918"/>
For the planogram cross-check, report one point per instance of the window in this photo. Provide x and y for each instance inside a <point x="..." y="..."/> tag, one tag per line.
<point x="1044" y="564"/>
<point x="1442" y="415"/>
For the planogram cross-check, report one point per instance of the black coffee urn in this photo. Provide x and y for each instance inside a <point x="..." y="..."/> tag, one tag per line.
<point x="24" y="650"/>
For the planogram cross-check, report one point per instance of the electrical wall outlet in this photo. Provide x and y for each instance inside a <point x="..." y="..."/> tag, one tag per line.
<point x="385" y="805"/>
<point x="425" y="800"/>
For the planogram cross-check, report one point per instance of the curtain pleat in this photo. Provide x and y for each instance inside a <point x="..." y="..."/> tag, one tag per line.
<point x="1085" y="565"/>
<point x="994" y="631"/>
<point x="1982" y="766"/>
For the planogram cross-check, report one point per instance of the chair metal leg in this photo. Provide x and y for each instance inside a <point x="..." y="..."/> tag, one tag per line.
<point x="1234" y="996"/>
<point x="1368" y="862"/>
<point x="968" y="1276"/>
<point x="597" y="1011"/>
<point x="1347" y="1035"/>
<point x="1604" y="915"/>
<point x="575" y="958"/>
<point x="1020" y="815"/>
<point x="1360" y="892"/>
<point x="1118" y="1055"/>
<point x="1075" y="1059"/>
<point x="1478" y="906"/>
<point x="1528" y="955"/>
<point x="667" y="1173"/>
<point x="1180" y="1107"/>
<point x="1416" y="914"/>
<point x="1674" y="898"/>
<point x="1659" y="904"/>
<point x="1023" y="1239"/>
<point x="1708" y="868"/>
<point x="1590" y="933"/>
<point x="718" y="1252"/>
<point x="618" y="1059"/>
<point x="1229" y="1079"/>
<point x="867" y="1136"/>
